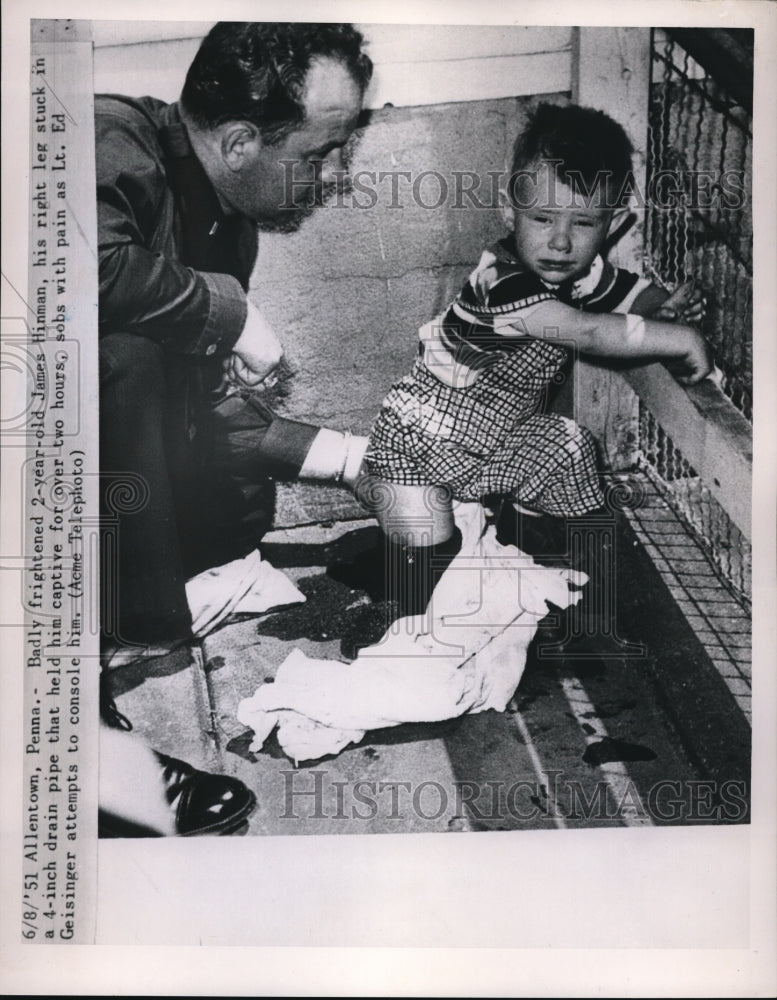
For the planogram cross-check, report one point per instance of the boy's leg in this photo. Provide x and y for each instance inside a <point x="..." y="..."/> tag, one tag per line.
<point x="420" y="540"/>
<point x="413" y="516"/>
<point x="548" y="465"/>
<point x="560" y="517"/>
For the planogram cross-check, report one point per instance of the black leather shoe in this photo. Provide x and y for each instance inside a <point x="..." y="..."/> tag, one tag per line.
<point x="205" y="804"/>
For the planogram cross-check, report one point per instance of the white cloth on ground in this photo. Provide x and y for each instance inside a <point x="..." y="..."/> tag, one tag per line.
<point x="483" y="615"/>
<point x="244" y="586"/>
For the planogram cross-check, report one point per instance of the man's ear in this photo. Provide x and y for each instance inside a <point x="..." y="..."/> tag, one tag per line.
<point x="239" y="142"/>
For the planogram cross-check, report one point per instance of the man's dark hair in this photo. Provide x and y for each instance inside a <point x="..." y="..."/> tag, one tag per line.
<point x="255" y="71"/>
<point x="589" y="151"/>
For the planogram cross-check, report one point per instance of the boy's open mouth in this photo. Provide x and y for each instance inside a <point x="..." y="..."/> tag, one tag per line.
<point x="556" y="265"/>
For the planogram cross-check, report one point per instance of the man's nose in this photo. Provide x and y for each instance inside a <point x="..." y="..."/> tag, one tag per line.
<point x="560" y="237"/>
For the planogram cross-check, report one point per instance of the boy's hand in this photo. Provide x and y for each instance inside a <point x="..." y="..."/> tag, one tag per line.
<point x="685" y="305"/>
<point x="696" y="363"/>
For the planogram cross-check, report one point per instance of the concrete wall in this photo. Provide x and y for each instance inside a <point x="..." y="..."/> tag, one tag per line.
<point x="350" y="289"/>
<point x="414" y="64"/>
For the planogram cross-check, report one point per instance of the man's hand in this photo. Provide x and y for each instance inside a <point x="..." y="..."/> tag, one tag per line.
<point x="239" y="373"/>
<point x="256" y="352"/>
<point x="685" y="305"/>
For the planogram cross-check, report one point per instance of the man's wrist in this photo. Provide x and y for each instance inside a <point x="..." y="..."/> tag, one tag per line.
<point x="354" y="460"/>
<point x="334" y="457"/>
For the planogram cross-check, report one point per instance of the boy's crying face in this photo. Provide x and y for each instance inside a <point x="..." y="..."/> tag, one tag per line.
<point x="557" y="231"/>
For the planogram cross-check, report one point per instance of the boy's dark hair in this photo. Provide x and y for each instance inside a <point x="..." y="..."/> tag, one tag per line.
<point x="589" y="150"/>
<point x="255" y="71"/>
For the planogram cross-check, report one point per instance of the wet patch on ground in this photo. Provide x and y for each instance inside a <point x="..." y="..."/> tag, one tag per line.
<point x="609" y="749"/>
<point x="330" y="612"/>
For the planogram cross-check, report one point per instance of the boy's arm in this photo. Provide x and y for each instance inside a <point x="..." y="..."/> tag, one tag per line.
<point x="610" y="335"/>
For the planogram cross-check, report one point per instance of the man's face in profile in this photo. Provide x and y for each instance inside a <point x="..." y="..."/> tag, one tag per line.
<point x="281" y="184"/>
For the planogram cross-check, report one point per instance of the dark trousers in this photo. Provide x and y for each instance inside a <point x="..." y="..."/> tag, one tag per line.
<point x="175" y="496"/>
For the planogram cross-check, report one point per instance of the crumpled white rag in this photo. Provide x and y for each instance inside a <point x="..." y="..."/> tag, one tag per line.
<point x="484" y="613"/>
<point x="245" y="586"/>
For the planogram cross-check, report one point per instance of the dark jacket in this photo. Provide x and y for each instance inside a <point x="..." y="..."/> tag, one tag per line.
<point x="175" y="269"/>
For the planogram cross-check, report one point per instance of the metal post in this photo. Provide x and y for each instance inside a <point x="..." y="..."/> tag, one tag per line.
<point x="611" y="71"/>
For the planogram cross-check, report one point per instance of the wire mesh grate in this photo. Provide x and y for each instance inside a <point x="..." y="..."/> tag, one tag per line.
<point x="698" y="227"/>
<point x="699" y="222"/>
<point x="690" y="498"/>
<point x="719" y="618"/>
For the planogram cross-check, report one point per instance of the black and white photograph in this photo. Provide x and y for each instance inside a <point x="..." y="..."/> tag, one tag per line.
<point x="450" y="623"/>
<point x="355" y="598"/>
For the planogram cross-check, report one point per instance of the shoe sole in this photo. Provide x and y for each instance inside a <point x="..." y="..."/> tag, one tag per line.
<point x="114" y="827"/>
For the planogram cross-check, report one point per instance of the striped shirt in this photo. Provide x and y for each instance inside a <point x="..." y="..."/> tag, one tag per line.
<point x="486" y="320"/>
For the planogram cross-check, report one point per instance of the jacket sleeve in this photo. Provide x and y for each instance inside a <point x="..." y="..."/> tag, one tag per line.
<point x="142" y="288"/>
<point x="248" y="435"/>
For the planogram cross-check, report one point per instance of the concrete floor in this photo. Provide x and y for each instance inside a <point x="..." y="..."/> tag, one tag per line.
<point x="589" y="717"/>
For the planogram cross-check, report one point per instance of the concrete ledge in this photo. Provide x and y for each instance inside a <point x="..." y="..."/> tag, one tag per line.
<point x="710" y="432"/>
